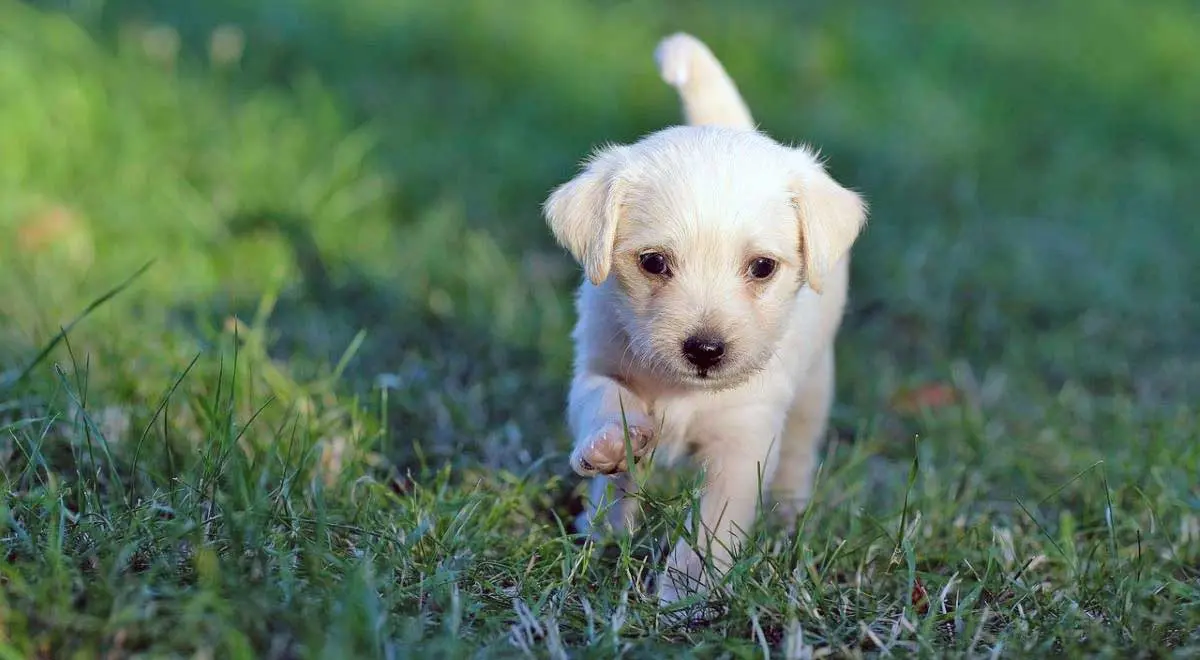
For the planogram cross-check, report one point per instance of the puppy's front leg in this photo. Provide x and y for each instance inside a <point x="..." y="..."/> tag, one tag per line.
<point x="609" y="507"/>
<point x="601" y="410"/>
<point x="806" y="426"/>
<point x="740" y="458"/>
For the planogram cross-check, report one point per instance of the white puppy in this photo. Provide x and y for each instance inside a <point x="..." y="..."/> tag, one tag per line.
<point x="716" y="265"/>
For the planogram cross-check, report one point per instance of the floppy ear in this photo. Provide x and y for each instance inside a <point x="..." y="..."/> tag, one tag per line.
<point x="830" y="219"/>
<point x="583" y="212"/>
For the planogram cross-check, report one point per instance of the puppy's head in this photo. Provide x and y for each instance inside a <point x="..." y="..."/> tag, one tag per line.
<point x="704" y="235"/>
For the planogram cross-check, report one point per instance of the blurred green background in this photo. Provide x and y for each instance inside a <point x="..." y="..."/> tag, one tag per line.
<point x="379" y="165"/>
<point x="319" y="169"/>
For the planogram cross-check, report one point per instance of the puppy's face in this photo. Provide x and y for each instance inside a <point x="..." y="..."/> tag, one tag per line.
<point x="705" y="236"/>
<point x="707" y="266"/>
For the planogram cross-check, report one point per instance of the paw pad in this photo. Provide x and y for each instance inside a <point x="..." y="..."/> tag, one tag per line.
<point x="603" y="452"/>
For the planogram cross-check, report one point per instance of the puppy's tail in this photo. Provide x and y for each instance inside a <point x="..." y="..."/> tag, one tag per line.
<point x="708" y="93"/>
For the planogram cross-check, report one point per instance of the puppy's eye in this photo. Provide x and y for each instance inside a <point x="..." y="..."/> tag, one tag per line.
<point x="762" y="268"/>
<point x="654" y="263"/>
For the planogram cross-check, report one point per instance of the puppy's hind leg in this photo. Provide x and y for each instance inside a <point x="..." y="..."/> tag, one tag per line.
<point x="708" y="93"/>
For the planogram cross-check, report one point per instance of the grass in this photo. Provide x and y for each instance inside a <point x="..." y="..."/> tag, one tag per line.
<point x="327" y="420"/>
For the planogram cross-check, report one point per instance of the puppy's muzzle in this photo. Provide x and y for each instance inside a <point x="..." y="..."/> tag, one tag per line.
<point x="703" y="351"/>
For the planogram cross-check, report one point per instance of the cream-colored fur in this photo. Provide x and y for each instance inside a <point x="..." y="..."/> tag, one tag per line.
<point x="710" y="198"/>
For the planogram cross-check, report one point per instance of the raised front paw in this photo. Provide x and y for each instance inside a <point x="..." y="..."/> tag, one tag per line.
<point x="603" y="452"/>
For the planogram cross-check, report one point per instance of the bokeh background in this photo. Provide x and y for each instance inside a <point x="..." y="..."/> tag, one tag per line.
<point x="348" y="193"/>
<point x="379" y="166"/>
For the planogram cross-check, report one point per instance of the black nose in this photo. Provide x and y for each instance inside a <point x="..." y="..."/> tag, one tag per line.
<point x="704" y="352"/>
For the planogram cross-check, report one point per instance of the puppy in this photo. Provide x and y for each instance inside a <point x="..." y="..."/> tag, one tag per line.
<point x="716" y="264"/>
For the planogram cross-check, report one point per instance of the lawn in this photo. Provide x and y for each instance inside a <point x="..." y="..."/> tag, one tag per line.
<point x="284" y="341"/>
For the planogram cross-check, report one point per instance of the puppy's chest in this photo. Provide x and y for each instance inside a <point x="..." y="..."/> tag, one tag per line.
<point x="680" y="423"/>
<point x="689" y="423"/>
<point x="673" y="420"/>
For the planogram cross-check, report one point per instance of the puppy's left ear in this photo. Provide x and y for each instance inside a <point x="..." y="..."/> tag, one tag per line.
<point x="583" y="212"/>
<point x="831" y="218"/>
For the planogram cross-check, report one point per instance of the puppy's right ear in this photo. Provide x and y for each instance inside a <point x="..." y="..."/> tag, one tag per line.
<point x="583" y="212"/>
